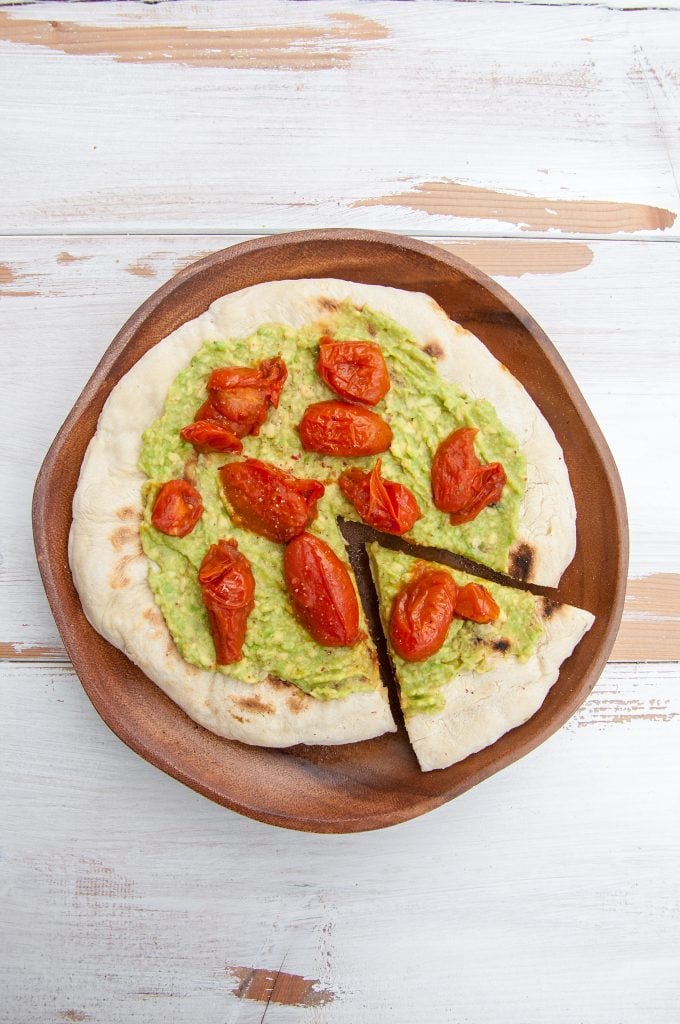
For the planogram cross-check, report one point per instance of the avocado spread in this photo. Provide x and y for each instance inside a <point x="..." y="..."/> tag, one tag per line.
<point x="421" y="408"/>
<point x="468" y="645"/>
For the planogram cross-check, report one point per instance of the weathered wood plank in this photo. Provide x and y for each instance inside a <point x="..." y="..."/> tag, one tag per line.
<point x="466" y="118"/>
<point x="552" y="889"/>
<point x="650" y="630"/>
<point x="127" y="897"/>
<point x="610" y="307"/>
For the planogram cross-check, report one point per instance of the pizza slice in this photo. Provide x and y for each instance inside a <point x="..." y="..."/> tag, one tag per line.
<point x="473" y="659"/>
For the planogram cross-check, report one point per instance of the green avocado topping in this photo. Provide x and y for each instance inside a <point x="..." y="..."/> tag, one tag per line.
<point x="421" y="408"/>
<point x="468" y="644"/>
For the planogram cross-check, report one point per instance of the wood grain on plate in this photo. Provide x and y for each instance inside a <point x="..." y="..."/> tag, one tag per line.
<point x="366" y="785"/>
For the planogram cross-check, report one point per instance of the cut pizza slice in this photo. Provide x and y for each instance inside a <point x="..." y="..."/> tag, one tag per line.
<point x="485" y="677"/>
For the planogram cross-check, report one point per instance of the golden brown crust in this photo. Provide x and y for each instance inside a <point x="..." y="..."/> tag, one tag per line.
<point x="124" y="535"/>
<point x="255" y="704"/>
<point x="129" y="514"/>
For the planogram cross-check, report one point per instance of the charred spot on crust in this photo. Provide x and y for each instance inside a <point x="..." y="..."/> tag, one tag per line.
<point x="501" y="645"/>
<point x="238" y="718"/>
<point x="521" y="560"/>
<point x="297" y="701"/>
<point x="153" y="616"/>
<point x="278" y="683"/>
<point x="157" y="632"/>
<point x="254" y="704"/>
<point x="118" y="578"/>
<point x="549" y="607"/>
<point x="123" y="535"/>
<point x="434" y="349"/>
<point x="328" y="305"/>
<point x="127" y="513"/>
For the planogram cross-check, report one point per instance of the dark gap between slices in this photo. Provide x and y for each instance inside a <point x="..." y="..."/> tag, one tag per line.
<point x="356" y="534"/>
<point x="356" y="537"/>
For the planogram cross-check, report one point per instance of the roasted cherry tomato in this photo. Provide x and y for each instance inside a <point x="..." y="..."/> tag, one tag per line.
<point x="207" y="436"/>
<point x="384" y="504"/>
<point x="421" y="614"/>
<point x="228" y="590"/>
<point x="269" y="377"/>
<point x="240" y="396"/>
<point x="336" y="428"/>
<point x="461" y="485"/>
<point x="268" y="501"/>
<point x="177" y="508"/>
<point x="474" y="602"/>
<point x="321" y="592"/>
<point x="354" y="369"/>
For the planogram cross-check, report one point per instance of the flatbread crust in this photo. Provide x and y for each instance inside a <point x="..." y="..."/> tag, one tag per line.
<point x="110" y="570"/>
<point x="482" y="706"/>
<point x="110" y="573"/>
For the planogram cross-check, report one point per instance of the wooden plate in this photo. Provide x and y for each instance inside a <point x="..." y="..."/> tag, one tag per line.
<point x="377" y="783"/>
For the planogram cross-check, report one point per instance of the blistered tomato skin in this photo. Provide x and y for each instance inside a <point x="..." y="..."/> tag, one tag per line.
<point x="354" y="369"/>
<point x="337" y="428"/>
<point x="461" y="485"/>
<point x="383" y="504"/>
<point x="475" y="603"/>
<point x="321" y="592"/>
<point x="269" y="377"/>
<point x="177" y="508"/>
<point x="208" y="436"/>
<point x="228" y="590"/>
<point x="421" y="615"/>
<point x="239" y="397"/>
<point x="268" y="501"/>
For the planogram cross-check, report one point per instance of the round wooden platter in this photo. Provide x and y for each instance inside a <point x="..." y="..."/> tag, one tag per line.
<point x="367" y="785"/>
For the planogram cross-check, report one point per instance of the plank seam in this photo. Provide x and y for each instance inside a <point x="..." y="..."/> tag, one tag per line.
<point x="505" y="3"/>
<point x="260" y="232"/>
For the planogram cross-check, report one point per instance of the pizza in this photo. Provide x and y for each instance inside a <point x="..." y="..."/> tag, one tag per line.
<point x="206" y="540"/>
<point x="473" y="658"/>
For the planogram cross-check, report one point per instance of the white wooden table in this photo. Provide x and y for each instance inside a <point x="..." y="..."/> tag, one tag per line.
<point x="539" y="141"/>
